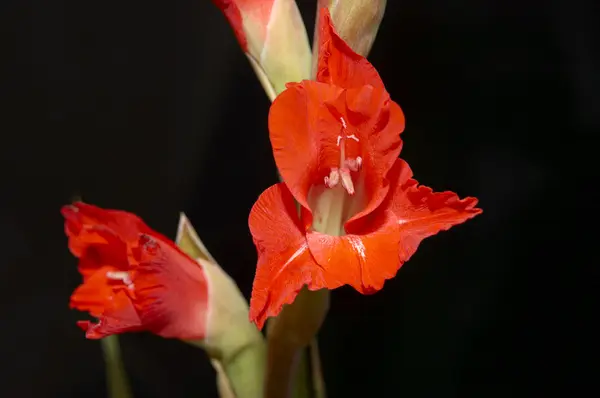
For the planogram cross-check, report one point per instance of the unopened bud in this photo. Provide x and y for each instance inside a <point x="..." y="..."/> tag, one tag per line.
<point x="273" y="36"/>
<point x="356" y="21"/>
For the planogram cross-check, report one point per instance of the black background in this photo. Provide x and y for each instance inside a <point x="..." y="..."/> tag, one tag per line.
<point x="152" y="108"/>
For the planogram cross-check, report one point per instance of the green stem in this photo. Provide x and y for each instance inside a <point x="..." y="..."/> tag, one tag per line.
<point x="289" y="335"/>
<point x="309" y="378"/>
<point x="303" y="380"/>
<point x="116" y="376"/>
<point x="246" y="371"/>
<point x="318" y="382"/>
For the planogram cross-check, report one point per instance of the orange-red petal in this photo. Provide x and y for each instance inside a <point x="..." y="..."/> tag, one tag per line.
<point x="86" y="224"/>
<point x="171" y="290"/>
<point x="381" y="147"/>
<point x="96" y="293"/>
<point x="305" y="126"/>
<point x="363" y="260"/>
<point x="112" y="254"/>
<point x="119" y="316"/>
<point x="299" y="121"/>
<point x="285" y="264"/>
<point x="421" y="212"/>
<point x="338" y="64"/>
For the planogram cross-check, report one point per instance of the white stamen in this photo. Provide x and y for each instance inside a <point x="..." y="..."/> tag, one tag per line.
<point x="120" y="276"/>
<point x="353" y="164"/>
<point x="333" y="179"/>
<point x="347" y="180"/>
<point x="346" y="165"/>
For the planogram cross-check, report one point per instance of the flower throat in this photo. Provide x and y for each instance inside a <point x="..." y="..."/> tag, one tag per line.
<point x="334" y="202"/>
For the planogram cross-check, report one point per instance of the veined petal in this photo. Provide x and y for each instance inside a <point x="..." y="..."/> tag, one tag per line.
<point x="299" y="118"/>
<point x="86" y="224"/>
<point x="96" y="294"/>
<point x="379" y="122"/>
<point x="171" y="291"/>
<point x="119" y="315"/>
<point x="112" y="254"/>
<point x="338" y="64"/>
<point x="421" y="212"/>
<point x="134" y="278"/>
<point x="284" y="260"/>
<point x="363" y="260"/>
<point x="99" y="237"/>
<point x="306" y="123"/>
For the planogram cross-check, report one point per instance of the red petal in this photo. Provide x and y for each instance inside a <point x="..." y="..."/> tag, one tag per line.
<point x="338" y="64"/>
<point x="421" y="212"/>
<point x="95" y="294"/>
<point x="232" y="13"/>
<point x="284" y="261"/>
<point x="363" y="260"/>
<point x="381" y="147"/>
<point x="86" y="225"/>
<point x="95" y="256"/>
<point x="168" y="294"/>
<point x="304" y="126"/>
<point x="298" y="120"/>
<point x="118" y="318"/>
<point x="171" y="291"/>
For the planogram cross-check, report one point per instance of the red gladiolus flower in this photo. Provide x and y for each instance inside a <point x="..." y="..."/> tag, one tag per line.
<point x="336" y="144"/>
<point x="134" y="278"/>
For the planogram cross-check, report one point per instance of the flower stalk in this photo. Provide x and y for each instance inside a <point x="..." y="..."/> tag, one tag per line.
<point x="289" y="334"/>
<point x="117" y="384"/>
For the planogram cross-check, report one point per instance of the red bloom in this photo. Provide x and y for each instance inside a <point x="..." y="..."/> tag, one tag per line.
<point x="336" y="143"/>
<point x="134" y="278"/>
